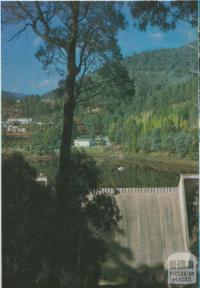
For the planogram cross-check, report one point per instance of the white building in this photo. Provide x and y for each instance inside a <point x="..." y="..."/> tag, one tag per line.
<point x="22" y="129"/>
<point x="20" y="121"/>
<point x="42" y="179"/>
<point x="12" y="128"/>
<point x="108" y="143"/>
<point x="83" y="142"/>
<point x="11" y="120"/>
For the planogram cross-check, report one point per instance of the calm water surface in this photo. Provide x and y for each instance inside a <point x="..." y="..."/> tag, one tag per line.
<point x="135" y="174"/>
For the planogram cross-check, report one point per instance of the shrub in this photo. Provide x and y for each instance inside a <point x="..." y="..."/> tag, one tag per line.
<point x="183" y="141"/>
<point x="156" y="140"/>
<point x="144" y="143"/>
<point x="168" y="142"/>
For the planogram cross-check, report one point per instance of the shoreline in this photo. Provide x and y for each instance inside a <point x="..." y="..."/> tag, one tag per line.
<point x="165" y="160"/>
<point x="139" y="157"/>
<point x="121" y="156"/>
<point x="101" y="154"/>
<point x="41" y="157"/>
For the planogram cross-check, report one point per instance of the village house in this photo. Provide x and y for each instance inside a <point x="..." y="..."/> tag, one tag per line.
<point x="12" y="128"/>
<point x="84" y="142"/>
<point x="20" y="121"/>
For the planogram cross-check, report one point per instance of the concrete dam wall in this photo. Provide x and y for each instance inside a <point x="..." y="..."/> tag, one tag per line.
<point x="153" y="226"/>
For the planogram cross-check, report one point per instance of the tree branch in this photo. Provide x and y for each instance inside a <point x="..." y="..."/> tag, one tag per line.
<point x="25" y="10"/>
<point x="86" y="11"/>
<point x="45" y="36"/>
<point x="78" y="69"/>
<point x="20" y="31"/>
<point x="178" y="17"/>
<point x="80" y="101"/>
<point x="78" y="87"/>
<point x="41" y="17"/>
<point x="85" y="70"/>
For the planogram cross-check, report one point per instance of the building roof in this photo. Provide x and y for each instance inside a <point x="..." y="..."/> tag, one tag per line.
<point x="82" y="139"/>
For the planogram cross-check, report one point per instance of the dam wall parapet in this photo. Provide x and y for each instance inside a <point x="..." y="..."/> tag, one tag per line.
<point x="115" y="191"/>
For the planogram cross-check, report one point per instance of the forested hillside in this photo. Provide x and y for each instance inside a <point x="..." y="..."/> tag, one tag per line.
<point x="160" y="114"/>
<point x="12" y="95"/>
<point x="163" y="75"/>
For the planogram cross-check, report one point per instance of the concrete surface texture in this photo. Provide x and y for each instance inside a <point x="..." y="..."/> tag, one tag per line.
<point x="151" y="229"/>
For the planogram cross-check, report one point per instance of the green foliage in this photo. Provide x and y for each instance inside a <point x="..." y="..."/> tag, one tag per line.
<point x="183" y="143"/>
<point x="163" y="15"/>
<point x="163" y="107"/>
<point x="144" y="143"/>
<point x="45" y="139"/>
<point x="156" y="139"/>
<point x="164" y="101"/>
<point x="88" y="218"/>
<point x="26" y="215"/>
<point x="162" y="96"/>
<point x="6" y="103"/>
<point x="32" y="107"/>
<point x="168" y="142"/>
<point x="116" y="132"/>
<point x="132" y="131"/>
<point x="151" y="133"/>
<point x="85" y="174"/>
<point x="94" y="124"/>
<point x="194" y="245"/>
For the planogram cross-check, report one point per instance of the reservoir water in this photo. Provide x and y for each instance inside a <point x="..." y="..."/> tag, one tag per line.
<point x="135" y="173"/>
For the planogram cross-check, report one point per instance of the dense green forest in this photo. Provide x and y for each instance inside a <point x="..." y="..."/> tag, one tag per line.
<point x="159" y="115"/>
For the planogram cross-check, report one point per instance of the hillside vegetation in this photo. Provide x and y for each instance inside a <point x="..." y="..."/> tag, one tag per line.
<point x="160" y="116"/>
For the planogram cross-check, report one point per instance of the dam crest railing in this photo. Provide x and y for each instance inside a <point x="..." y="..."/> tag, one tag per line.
<point x="139" y="190"/>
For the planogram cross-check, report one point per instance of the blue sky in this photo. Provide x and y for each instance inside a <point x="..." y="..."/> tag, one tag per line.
<point x="22" y="72"/>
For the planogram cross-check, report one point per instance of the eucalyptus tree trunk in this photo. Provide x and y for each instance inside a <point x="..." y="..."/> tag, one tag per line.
<point x="65" y="147"/>
<point x="69" y="105"/>
<point x="65" y="196"/>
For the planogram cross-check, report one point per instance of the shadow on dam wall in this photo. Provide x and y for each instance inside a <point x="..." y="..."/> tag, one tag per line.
<point x="118" y="273"/>
<point x="153" y="226"/>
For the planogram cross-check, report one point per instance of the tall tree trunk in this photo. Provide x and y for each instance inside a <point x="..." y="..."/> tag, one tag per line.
<point x="69" y="105"/>
<point x="65" y="198"/>
<point x="63" y="189"/>
<point x="65" y="148"/>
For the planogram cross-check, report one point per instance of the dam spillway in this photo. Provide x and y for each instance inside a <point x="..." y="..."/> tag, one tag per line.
<point x="153" y="226"/>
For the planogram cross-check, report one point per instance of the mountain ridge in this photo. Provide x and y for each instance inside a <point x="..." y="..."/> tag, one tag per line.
<point x="141" y="61"/>
<point x="13" y="95"/>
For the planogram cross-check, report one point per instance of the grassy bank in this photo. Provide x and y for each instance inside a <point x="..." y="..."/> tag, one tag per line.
<point x="101" y="151"/>
<point x="27" y="154"/>
<point x="156" y="157"/>
<point x="163" y="158"/>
